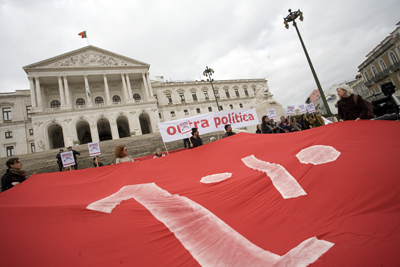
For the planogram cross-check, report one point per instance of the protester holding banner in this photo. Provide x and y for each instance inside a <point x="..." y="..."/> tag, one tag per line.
<point x="76" y="155"/>
<point x="348" y="108"/>
<point x="266" y="126"/>
<point x="195" y="139"/>
<point x="285" y="126"/>
<point x="316" y="120"/>
<point x="305" y="124"/>
<point x="229" y="132"/>
<point x="59" y="161"/>
<point x="121" y="154"/>
<point x="14" y="174"/>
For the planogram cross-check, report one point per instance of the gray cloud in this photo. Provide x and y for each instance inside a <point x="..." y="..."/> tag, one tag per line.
<point x="237" y="39"/>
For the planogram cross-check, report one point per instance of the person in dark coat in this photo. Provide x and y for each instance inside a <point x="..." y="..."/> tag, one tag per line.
<point x="229" y="132"/>
<point x="266" y="126"/>
<point x="195" y="139"/>
<point x="76" y="155"/>
<point x="59" y="161"/>
<point x="305" y="124"/>
<point x="258" y="129"/>
<point x="285" y="126"/>
<point x="14" y="174"/>
<point x="348" y="109"/>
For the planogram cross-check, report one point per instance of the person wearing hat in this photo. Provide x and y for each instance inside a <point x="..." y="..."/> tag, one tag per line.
<point x="228" y="129"/>
<point x="59" y="161"/>
<point x="76" y="154"/>
<point x="195" y="139"/>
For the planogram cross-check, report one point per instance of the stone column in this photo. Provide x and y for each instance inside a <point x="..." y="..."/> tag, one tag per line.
<point x="38" y="92"/>
<point x="129" y="87"/>
<point x="94" y="133"/>
<point x="106" y="90"/>
<point x="88" y="94"/>
<point x="114" y="130"/>
<point x="146" y="89"/>
<point x="125" y="91"/>
<point x="61" y="89"/>
<point x="33" y="94"/>
<point x="149" y="84"/>
<point x="67" y="95"/>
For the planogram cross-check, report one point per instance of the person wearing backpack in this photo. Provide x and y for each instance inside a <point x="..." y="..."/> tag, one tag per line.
<point x="351" y="107"/>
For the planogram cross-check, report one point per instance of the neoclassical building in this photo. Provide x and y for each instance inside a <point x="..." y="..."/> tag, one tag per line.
<point x="90" y="95"/>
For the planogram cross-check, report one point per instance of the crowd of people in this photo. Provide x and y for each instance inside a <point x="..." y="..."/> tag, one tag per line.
<point x="350" y="107"/>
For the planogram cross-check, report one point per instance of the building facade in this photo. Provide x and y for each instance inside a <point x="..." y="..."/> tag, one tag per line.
<point x="382" y="64"/>
<point x="92" y="95"/>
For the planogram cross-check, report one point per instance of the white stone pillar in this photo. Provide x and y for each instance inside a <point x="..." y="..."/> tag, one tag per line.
<point x="33" y="93"/>
<point x="67" y="94"/>
<point x="114" y="130"/>
<point x="61" y="89"/>
<point x="94" y="133"/>
<point x="38" y="92"/>
<point x="125" y="91"/>
<point x="149" y="84"/>
<point x="87" y="92"/>
<point x="106" y="90"/>
<point x="146" y="89"/>
<point x="129" y="87"/>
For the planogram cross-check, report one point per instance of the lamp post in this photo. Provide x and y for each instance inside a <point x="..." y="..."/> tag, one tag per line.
<point x="208" y="73"/>
<point x="292" y="17"/>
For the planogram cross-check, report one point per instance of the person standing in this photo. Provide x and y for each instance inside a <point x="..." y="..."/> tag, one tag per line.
<point x="349" y="106"/>
<point x="266" y="126"/>
<point x="195" y="139"/>
<point x="59" y="161"/>
<point x="121" y="154"/>
<point x="305" y="124"/>
<point x="316" y="120"/>
<point x="14" y="174"/>
<point x="285" y="126"/>
<point x="229" y="132"/>
<point x="76" y="155"/>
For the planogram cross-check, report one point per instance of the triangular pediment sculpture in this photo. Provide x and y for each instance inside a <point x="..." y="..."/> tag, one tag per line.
<point x="87" y="57"/>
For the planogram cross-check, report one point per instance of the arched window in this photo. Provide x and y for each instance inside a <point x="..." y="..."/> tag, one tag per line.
<point x="137" y="97"/>
<point x="393" y="58"/>
<point x="374" y="71"/>
<point x="55" y="104"/>
<point x="383" y="65"/>
<point x="99" y="100"/>
<point x="367" y="76"/>
<point x="80" y="102"/>
<point x="116" y="99"/>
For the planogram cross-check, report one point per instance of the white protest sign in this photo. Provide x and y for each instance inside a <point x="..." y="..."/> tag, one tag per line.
<point x="207" y="123"/>
<point x="310" y="108"/>
<point x="67" y="158"/>
<point x="271" y="113"/>
<point x="185" y="127"/>
<point x="302" y="109"/>
<point x="94" y="149"/>
<point x="290" y="111"/>
<point x="326" y="120"/>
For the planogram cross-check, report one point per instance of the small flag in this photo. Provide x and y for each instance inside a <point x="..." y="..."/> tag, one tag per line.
<point x="83" y="34"/>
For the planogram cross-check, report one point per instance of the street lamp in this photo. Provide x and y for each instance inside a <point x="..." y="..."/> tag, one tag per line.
<point x="208" y="73"/>
<point x="292" y="17"/>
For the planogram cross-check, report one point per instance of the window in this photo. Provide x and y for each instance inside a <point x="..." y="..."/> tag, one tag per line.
<point x="216" y="93"/>
<point x="186" y="112"/>
<point x="99" y="101"/>
<point x="80" y="102"/>
<point x="182" y="97"/>
<point x="367" y="76"/>
<point x="155" y="96"/>
<point x="227" y="94"/>
<point x="221" y="108"/>
<point x="28" y="111"/>
<point x="393" y="58"/>
<point x="7" y="114"/>
<point x="231" y="106"/>
<point x="194" y="96"/>
<point x="205" y="94"/>
<point x="55" y="104"/>
<point x="209" y="109"/>
<point x="8" y="134"/>
<point x="136" y="97"/>
<point x="32" y="147"/>
<point x="198" y="110"/>
<point x="169" y="98"/>
<point x="245" y="92"/>
<point x="172" y="113"/>
<point x="159" y="115"/>
<point x="116" y="99"/>
<point x="254" y="90"/>
<point x="30" y="131"/>
<point x="374" y="71"/>
<point x="237" y="92"/>
<point x="383" y="65"/>
<point x="240" y="105"/>
<point x="10" y="151"/>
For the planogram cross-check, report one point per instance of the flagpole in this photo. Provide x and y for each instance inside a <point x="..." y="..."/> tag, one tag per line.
<point x="165" y="148"/>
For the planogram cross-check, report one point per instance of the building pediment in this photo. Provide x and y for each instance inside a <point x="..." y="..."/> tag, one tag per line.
<point x="87" y="57"/>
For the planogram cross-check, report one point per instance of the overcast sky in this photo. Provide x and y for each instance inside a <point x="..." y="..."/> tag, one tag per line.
<point x="238" y="39"/>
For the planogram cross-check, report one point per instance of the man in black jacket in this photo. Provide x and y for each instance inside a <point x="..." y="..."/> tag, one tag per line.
<point x="14" y="174"/>
<point x="195" y="139"/>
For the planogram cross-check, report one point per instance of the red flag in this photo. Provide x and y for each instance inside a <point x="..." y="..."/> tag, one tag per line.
<point x="83" y="34"/>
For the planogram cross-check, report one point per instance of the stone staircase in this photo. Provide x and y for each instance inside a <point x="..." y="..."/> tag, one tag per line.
<point x="138" y="146"/>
